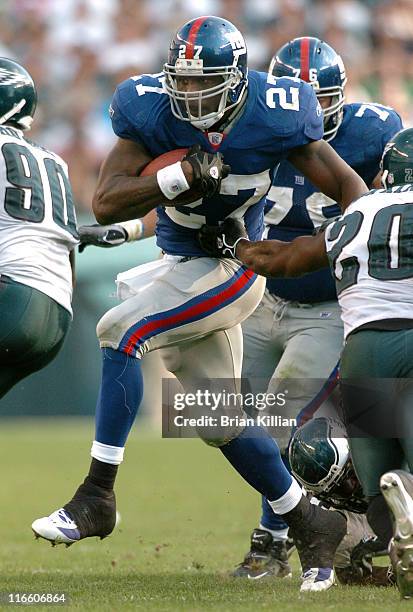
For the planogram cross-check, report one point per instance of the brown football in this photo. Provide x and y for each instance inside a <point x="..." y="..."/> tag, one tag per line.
<point x="166" y="159"/>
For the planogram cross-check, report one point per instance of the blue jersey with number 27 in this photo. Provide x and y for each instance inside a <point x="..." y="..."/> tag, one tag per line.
<point x="278" y="115"/>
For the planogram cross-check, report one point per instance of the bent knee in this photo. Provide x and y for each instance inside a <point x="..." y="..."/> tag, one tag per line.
<point x="218" y="439"/>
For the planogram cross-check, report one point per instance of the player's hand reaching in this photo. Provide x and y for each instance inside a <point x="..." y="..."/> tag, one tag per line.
<point x="208" y="170"/>
<point x="221" y="240"/>
<point x="101" y="235"/>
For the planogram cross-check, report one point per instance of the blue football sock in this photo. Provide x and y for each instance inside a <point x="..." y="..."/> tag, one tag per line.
<point x="269" y="519"/>
<point x="256" y="457"/>
<point x="120" y="395"/>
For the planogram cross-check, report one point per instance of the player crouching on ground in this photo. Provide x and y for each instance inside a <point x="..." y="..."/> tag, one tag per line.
<point x="369" y="251"/>
<point x="319" y="457"/>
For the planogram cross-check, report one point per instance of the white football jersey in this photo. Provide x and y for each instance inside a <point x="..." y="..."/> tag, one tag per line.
<point x="37" y="217"/>
<point x="370" y="248"/>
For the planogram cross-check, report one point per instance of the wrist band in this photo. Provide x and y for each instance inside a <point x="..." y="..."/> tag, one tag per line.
<point x="232" y="247"/>
<point x="134" y="228"/>
<point x="172" y="181"/>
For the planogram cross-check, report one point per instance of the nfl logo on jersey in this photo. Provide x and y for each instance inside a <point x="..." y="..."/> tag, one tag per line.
<point x="215" y="138"/>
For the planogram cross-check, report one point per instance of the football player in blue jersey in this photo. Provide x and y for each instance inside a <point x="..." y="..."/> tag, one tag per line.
<point x="188" y="304"/>
<point x="296" y="331"/>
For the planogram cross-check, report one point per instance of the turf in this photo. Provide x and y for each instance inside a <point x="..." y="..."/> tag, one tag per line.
<point x="186" y="519"/>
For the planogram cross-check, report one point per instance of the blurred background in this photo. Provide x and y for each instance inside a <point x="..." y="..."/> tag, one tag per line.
<point x="79" y="50"/>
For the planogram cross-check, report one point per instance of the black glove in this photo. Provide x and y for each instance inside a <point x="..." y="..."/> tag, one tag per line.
<point x="221" y="240"/>
<point x="101" y="235"/>
<point x="362" y="555"/>
<point x="209" y="170"/>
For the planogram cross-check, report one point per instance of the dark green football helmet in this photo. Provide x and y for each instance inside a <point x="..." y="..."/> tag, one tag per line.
<point x="320" y="460"/>
<point x="18" y="97"/>
<point x="397" y="160"/>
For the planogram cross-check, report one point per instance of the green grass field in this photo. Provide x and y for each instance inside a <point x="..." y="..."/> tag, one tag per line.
<point x="186" y="519"/>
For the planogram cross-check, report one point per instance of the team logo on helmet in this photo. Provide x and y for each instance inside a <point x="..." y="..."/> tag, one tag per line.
<point x="237" y="43"/>
<point x="7" y="77"/>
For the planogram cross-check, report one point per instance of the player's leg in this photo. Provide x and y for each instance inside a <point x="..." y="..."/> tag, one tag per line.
<point x="189" y="300"/>
<point x="306" y="340"/>
<point x="397" y="485"/>
<point x="255" y="455"/>
<point x="397" y="489"/>
<point x="314" y="340"/>
<point x="262" y="351"/>
<point x="264" y="343"/>
<point x="312" y="336"/>
<point x="32" y="332"/>
<point x="405" y="419"/>
<point x="370" y="391"/>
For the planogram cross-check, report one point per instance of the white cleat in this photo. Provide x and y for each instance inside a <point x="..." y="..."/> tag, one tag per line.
<point x="395" y="487"/>
<point x="58" y="528"/>
<point x="317" y="579"/>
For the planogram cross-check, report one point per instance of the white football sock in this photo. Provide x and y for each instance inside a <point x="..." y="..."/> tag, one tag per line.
<point x="107" y="453"/>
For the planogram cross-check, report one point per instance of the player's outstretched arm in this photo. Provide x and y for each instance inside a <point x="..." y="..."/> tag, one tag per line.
<point x="325" y="169"/>
<point x="115" y="234"/>
<point x="284" y="259"/>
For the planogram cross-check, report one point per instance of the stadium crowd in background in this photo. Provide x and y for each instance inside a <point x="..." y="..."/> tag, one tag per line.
<point x="79" y="50"/>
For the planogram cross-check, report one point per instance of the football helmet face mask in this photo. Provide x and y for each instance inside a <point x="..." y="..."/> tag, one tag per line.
<point x="397" y="161"/>
<point x="314" y="61"/>
<point x="320" y="460"/>
<point x="207" y="48"/>
<point x="18" y="97"/>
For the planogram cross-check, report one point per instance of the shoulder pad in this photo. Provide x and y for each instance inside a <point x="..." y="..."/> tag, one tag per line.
<point x="374" y="119"/>
<point x="292" y="108"/>
<point x="135" y="102"/>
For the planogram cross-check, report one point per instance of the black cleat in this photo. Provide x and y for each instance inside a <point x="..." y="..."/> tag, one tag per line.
<point x="316" y="533"/>
<point x="267" y="558"/>
<point x="91" y="512"/>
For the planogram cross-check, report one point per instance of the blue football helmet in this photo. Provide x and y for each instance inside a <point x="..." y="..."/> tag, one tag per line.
<point x="314" y="61"/>
<point x="18" y="97"/>
<point x="319" y="456"/>
<point x="206" y="47"/>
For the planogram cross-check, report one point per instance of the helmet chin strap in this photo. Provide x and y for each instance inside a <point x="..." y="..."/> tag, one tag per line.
<point x="205" y="124"/>
<point x="13" y="111"/>
<point x="383" y="178"/>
